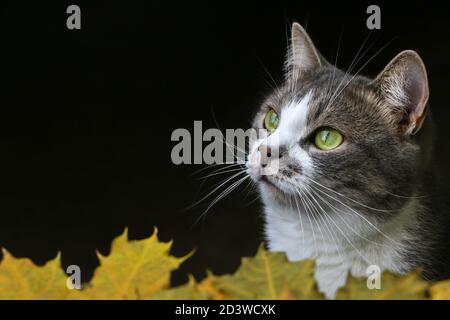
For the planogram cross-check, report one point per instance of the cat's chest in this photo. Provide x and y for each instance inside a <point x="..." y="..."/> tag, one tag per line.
<point x="337" y="247"/>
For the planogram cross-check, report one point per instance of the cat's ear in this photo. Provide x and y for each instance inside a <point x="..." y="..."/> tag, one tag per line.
<point x="404" y="86"/>
<point x="302" y="55"/>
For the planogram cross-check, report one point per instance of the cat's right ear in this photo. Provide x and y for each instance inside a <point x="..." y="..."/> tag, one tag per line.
<point x="302" y="54"/>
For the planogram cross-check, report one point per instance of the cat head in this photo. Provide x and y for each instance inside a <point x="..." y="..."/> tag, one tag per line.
<point x="338" y="135"/>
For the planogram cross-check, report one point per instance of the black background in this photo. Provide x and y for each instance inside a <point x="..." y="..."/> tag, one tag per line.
<point x="86" y="116"/>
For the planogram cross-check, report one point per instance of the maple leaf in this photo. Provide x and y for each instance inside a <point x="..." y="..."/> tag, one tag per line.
<point x="21" y="279"/>
<point x="393" y="287"/>
<point x="270" y="276"/>
<point x="264" y="276"/>
<point x="440" y="290"/>
<point x="204" y="290"/>
<point x="133" y="270"/>
<point x="141" y="270"/>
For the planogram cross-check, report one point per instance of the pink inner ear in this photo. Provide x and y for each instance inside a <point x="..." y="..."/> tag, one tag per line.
<point x="417" y="93"/>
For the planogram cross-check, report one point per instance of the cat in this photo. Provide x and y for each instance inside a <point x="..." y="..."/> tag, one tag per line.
<point x="355" y="184"/>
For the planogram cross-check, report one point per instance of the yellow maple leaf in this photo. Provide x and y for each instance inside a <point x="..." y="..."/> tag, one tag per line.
<point x="204" y="290"/>
<point x="268" y="276"/>
<point x="393" y="287"/>
<point x="264" y="276"/>
<point x="440" y="290"/>
<point x="133" y="270"/>
<point x="21" y="279"/>
<point x="141" y="270"/>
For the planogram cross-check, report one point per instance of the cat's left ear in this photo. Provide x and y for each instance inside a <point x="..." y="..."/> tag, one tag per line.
<point x="303" y="56"/>
<point x="404" y="86"/>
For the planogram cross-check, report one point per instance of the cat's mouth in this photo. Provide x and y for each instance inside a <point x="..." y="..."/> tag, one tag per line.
<point x="277" y="189"/>
<point x="271" y="186"/>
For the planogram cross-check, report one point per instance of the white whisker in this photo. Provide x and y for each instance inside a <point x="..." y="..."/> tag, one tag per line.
<point x="332" y="232"/>
<point x="337" y="211"/>
<point x="215" y="189"/>
<point x="350" y="242"/>
<point x="359" y="215"/>
<point x="348" y="198"/>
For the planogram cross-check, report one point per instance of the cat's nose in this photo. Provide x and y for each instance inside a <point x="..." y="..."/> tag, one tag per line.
<point x="266" y="154"/>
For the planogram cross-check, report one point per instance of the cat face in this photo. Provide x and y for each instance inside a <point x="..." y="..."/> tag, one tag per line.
<point x="337" y="138"/>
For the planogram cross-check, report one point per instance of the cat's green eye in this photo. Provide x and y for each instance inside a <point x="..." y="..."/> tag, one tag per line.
<point x="328" y="139"/>
<point x="271" y="120"/>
